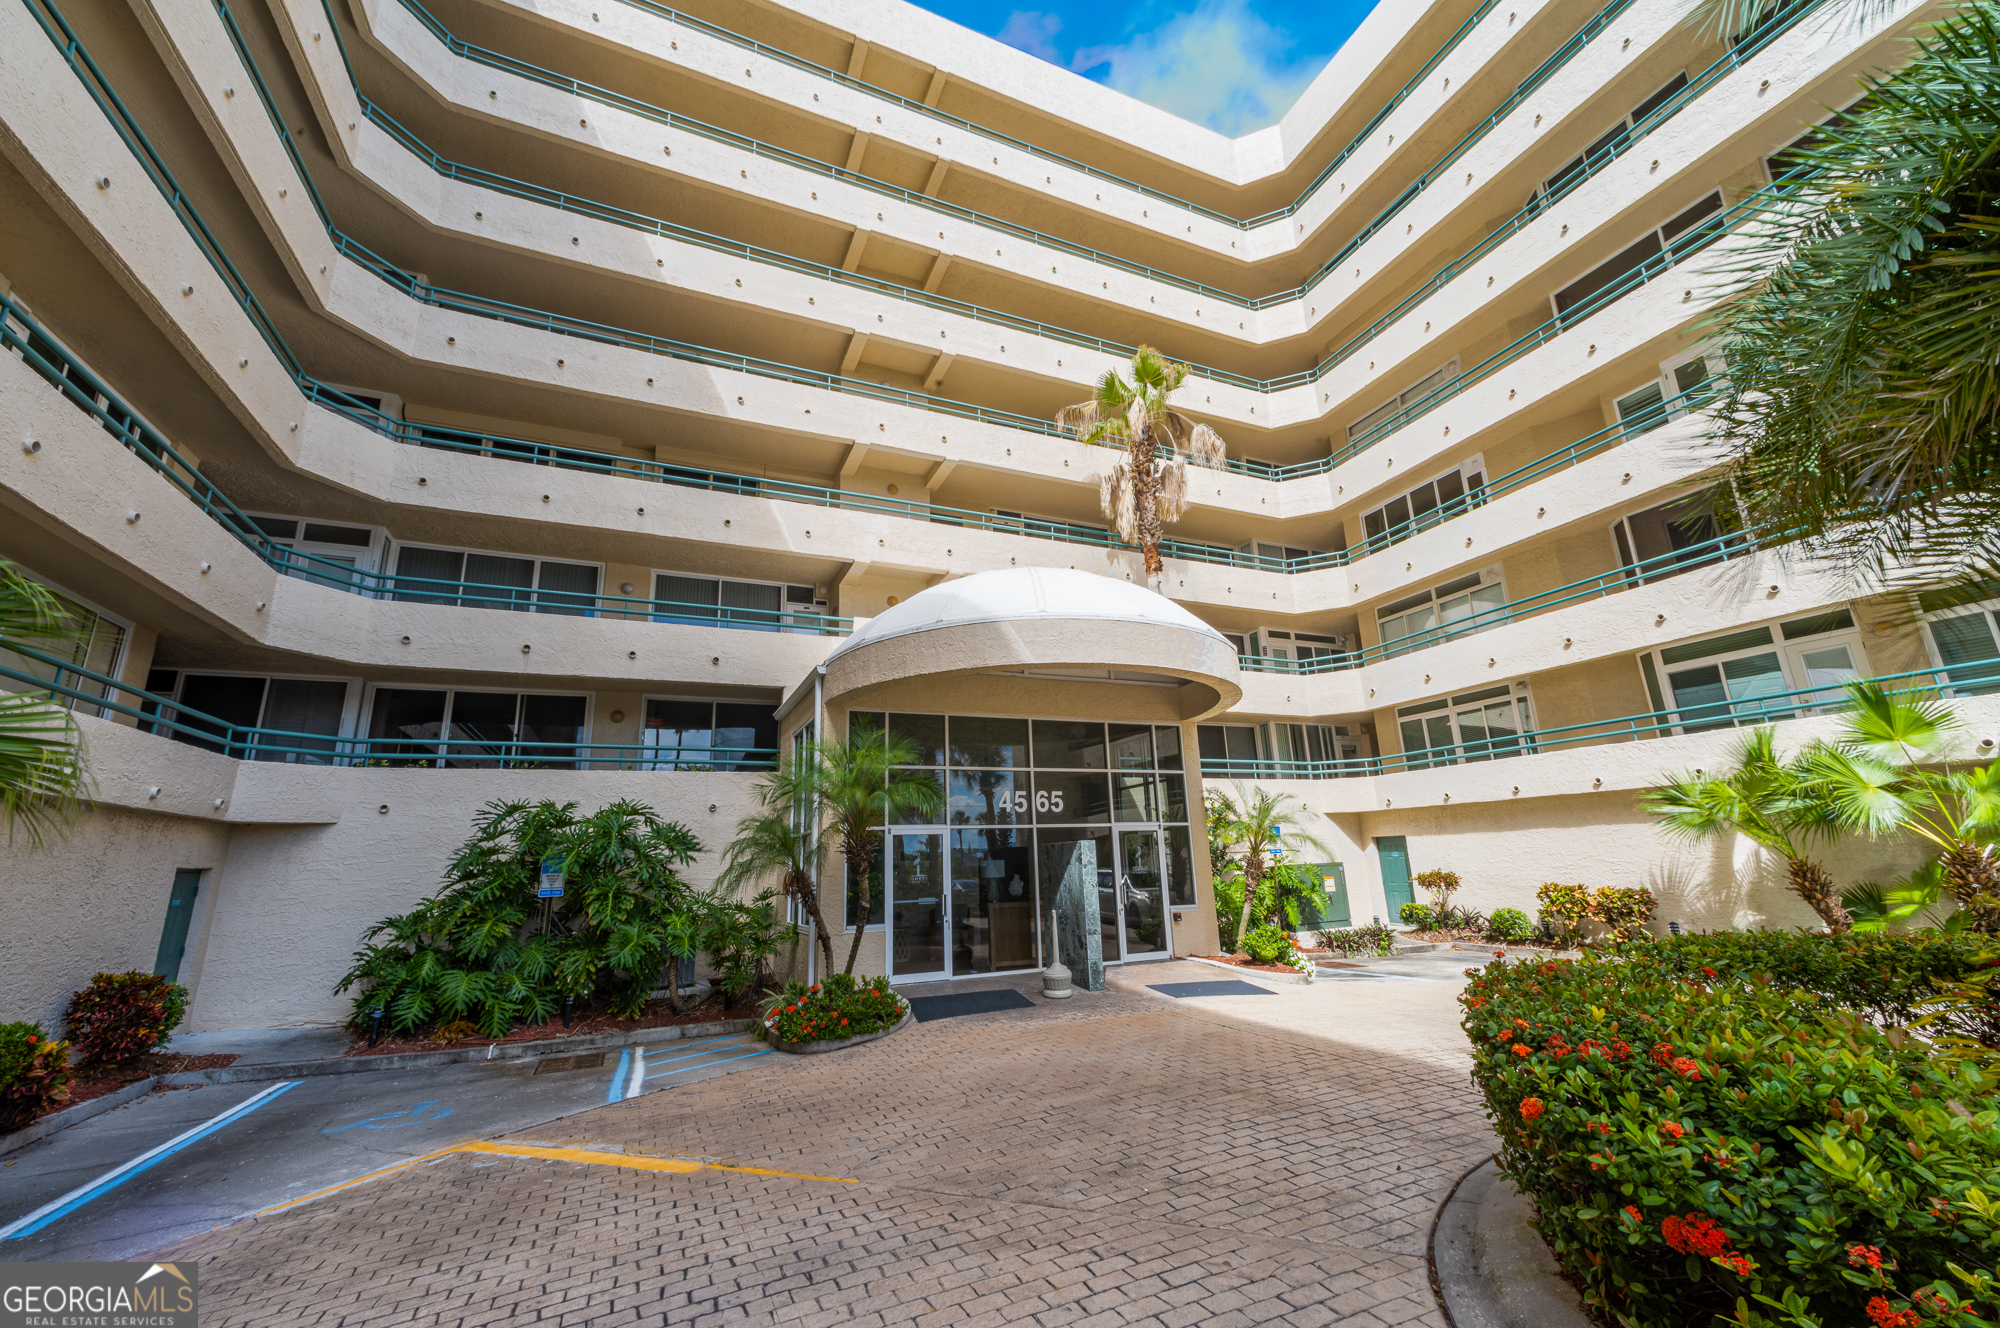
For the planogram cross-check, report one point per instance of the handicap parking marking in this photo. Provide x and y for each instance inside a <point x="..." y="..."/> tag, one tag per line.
<point x="743" y="1047"/>
<point x="615" y="1090"/>
<point x="118" y="1175"/>
<point x="423" y="1113"/>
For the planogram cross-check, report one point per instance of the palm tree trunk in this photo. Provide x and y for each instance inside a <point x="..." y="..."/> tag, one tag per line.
<point x="859" y="860"/>
<point x="1973" y="876"/>
<point x="1146" y="507"/>
<point x="1253" y="876"/>
<point x="1814" y="884"/>
<point x="806" y="892"/>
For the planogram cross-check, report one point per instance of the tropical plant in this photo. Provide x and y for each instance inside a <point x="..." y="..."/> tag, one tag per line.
<point x="44" y="774"/>
<point x="742" y="937"/>
<point x="1510" y="924"/>
<point x="1886" y="771"/>
<point x="488" y="949"/>
<point x="1415" y="915"/>
<point x="1269" y="945"/>
<point x="1261" y="821"/>
<point x="1441" y="885"/>
<point x="861" y="789"/>
<point x="1221" y="814"/>
<point x="1147" y="487"/>
<point x="838" y="1008"/>
<point x="1563" y="909"/>
<point x="1861" y="409"/>
<point x="1625" y="910"/>
<point x="781" y="838"/>
<point x="122" y="1015"/>
<point x="1373" y="939"/>
<point x="1776" y="804"/>
<point x="34" y="1074"/>
<point x="1906" y="902"/>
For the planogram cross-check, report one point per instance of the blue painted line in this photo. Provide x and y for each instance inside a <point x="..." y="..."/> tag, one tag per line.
<point x="635" y="1082"/>
<point x="1326" y="976"/>
<point x="615" y="1089"/>
<point x="685" y="1068"/>
<point x="112" y="1179"/>
<point x="705" y="1051"/>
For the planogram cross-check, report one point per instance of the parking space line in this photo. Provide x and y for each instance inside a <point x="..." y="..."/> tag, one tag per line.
<point x="118" y="1175"/>
<point x="614" y="1090"/>
<point x="761" y="1051"/>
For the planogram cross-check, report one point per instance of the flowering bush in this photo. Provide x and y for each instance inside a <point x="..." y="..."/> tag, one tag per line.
<point x="1717" y="1127"/>
<point x="840" y="1007"/>
<point x="1510" y="924"/>
<point x="34" y="1074"/>
<point x="122" y="1015"/>
<point x="1269" y="945"/>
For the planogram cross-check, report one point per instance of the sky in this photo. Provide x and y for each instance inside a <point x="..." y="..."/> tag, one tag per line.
<point x="1232" y="65"/>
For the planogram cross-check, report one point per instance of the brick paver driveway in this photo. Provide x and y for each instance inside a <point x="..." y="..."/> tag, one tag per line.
<point x="1121" y="1158"/>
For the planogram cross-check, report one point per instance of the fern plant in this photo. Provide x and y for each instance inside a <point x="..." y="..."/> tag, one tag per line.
<point x="487" y="950"/>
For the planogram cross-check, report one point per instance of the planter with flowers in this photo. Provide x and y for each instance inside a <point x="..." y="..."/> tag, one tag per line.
<point x="827" y="1016"/>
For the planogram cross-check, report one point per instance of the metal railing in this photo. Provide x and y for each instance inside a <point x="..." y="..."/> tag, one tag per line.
<point x="463" y="748"/>
<point x="1969" y="678"/>
<point x="1695" y="556"/>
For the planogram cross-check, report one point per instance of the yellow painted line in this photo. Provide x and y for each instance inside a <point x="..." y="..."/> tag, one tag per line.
<point x="586" y="1156"/>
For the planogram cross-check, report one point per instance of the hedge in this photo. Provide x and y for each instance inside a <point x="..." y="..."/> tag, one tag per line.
<point x="1716" y="1126"/>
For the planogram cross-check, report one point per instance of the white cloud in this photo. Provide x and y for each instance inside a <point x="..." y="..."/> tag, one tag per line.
<point x="1219" y="65"/>
<point x="1034" y="32"/>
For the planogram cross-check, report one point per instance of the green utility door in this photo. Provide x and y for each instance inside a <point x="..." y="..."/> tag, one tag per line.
<point x="174" y="935"/>
<point x="1394" y="852"/>
<point x="1332" y="905"/>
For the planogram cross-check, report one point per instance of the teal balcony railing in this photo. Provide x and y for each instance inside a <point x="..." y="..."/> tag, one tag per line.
<point x="1967" y="679"/>
<point x="463" y="747"/>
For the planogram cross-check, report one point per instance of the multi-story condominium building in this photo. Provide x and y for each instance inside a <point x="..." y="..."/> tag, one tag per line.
<point x="424" y="404"/>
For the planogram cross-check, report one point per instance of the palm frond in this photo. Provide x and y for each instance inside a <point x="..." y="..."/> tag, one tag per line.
<point x="44" y="773"/>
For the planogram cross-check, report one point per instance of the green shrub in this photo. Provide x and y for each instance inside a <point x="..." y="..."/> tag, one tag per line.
<point x="1510" y="924"/>
<point x="1415" y="915"/>
<point x="1625" y="910"/>
<point x="34" y="1074"/>
<point x="1563" y="909"/>
<point x="840" y="1007"/>
<point x="1715" y="1121"/>
<point x="1353" y="942"/>
<point x="1268" y="945"/>
<point x="122" y="1015"/>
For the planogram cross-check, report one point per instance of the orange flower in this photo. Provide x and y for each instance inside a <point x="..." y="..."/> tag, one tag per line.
<point x="1670" y="1127"/>
<point x="1522" y="1049"/>
<point x="1531" y="1108"/>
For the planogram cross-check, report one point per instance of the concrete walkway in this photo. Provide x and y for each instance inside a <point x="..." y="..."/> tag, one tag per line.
<point x="1122" y="1157"/>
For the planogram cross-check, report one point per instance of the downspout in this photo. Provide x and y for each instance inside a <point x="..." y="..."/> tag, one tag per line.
<point x="818" y="721"/>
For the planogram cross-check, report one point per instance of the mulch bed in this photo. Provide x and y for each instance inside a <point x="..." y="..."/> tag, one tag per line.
<point x="99" y="1081"/>
<point x="658" y="1015"/>
<point x="1240" y="961"/>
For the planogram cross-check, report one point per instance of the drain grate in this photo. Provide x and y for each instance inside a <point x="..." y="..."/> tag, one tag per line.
<point x="557" y="1064"/>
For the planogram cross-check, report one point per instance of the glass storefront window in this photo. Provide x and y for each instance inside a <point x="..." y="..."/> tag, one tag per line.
<point x="986" y="797"/>
<point x="979" y="740"/>
<point x="924" y="732"/>
<point x="1131" y="747"/>
<point x="1071" y="797"/>
<point x="1067" y="745"/>
<point x="1134" y="798"/>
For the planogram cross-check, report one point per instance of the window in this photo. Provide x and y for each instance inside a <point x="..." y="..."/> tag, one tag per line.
<point x="1303" y="647"/>
<point x="1048" y="527"/>
<point x="1965" y="643"/>
<point x="749" y="605"/>
<point x="1748" y="676"/>
<point x="469" y="730"/>
<point x="495" y="581"/>
<point x="1409" y="396"/>
<point x="1684" y="232"/>
<point x="86" y="638"/>
<point x="1607" y="146"/>
<point x="1675" y="537"/>
<point x="1227" y="742"/>
<point x="1444" y="613"/>
<point x="1308" y="742"/>
<point x="1476" y="726"/>
<point x="1688" y="382"/>
<point x="305" y="713"/>
<point x="1437" y="499"/>
<point x="322" y="543"/>
<point x="709" y="735"/>
<point x="1285" y="554"/>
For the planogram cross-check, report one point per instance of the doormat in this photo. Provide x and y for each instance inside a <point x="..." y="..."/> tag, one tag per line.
<point x="1222" y="987"/>
<point x="968" y="1002"/>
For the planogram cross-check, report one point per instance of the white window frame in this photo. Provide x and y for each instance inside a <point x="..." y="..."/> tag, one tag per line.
<point x="1518" y="691"/>
<point x="119" y="656"/>
<point x="387" y="578"/>
<point x="1989" y="607"/>
<point x="1657" y="230"/>
<point x="1284" y="643"/>
<point x="1492" y="575"/>
<point x="785" y="605"/>
<point x="1474" y="465"/>
<point x="711" y="702"/>
<point x="350" y="701"/>
<point x="1437" y="377"/>
<point x="1625" y="123"/>
<point x="1791" y="668"/>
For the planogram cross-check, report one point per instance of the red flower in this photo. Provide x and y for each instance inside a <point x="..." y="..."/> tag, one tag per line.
<point x="1662" y="1053"/>
<point x="1632" y="1212"/>
<point x="1670" y="1127"/>
<point x="1531" y="1109"/>
<point x="1503" y="1034"/>
<point x="1523" y="1049"/>
<point x="1682" y="1065"/>
<point x="1884" y="1316"/>
<point x="1710" y="972"/>
<point x="1860" y="1256"/>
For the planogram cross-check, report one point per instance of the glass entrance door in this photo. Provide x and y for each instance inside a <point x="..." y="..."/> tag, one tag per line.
<point x="919" y="904"/>
<point x="1142" y="895"/>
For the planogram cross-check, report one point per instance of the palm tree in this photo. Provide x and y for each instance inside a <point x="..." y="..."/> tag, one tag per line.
<point x="1259" y="820"/>
<point x="1775" y="804"/>
<point x="43" y="774"/>
<point x="1861" y="408"/>
<point x="781" y="837"/>
<point x="1886" y="771"/>
<point x="1147" y="487"/>
<point x="860" y="789"/>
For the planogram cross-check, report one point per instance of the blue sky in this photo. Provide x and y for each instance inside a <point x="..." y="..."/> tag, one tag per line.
<point x="1232" y="65"/>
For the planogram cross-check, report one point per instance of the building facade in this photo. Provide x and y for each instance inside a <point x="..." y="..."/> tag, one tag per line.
<point x="422" y="406"/>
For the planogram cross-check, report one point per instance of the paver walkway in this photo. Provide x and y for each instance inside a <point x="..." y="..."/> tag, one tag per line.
<point x="1118" y="1158"/>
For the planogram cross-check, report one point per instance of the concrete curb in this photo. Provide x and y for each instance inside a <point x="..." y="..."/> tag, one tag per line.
<point x="68" y="1116"/>
<point x="416" y="1060"/>
<point x="842" y="1044"/>
<point x="1249" y="974"/>
<point x="1490" y="1267"/>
